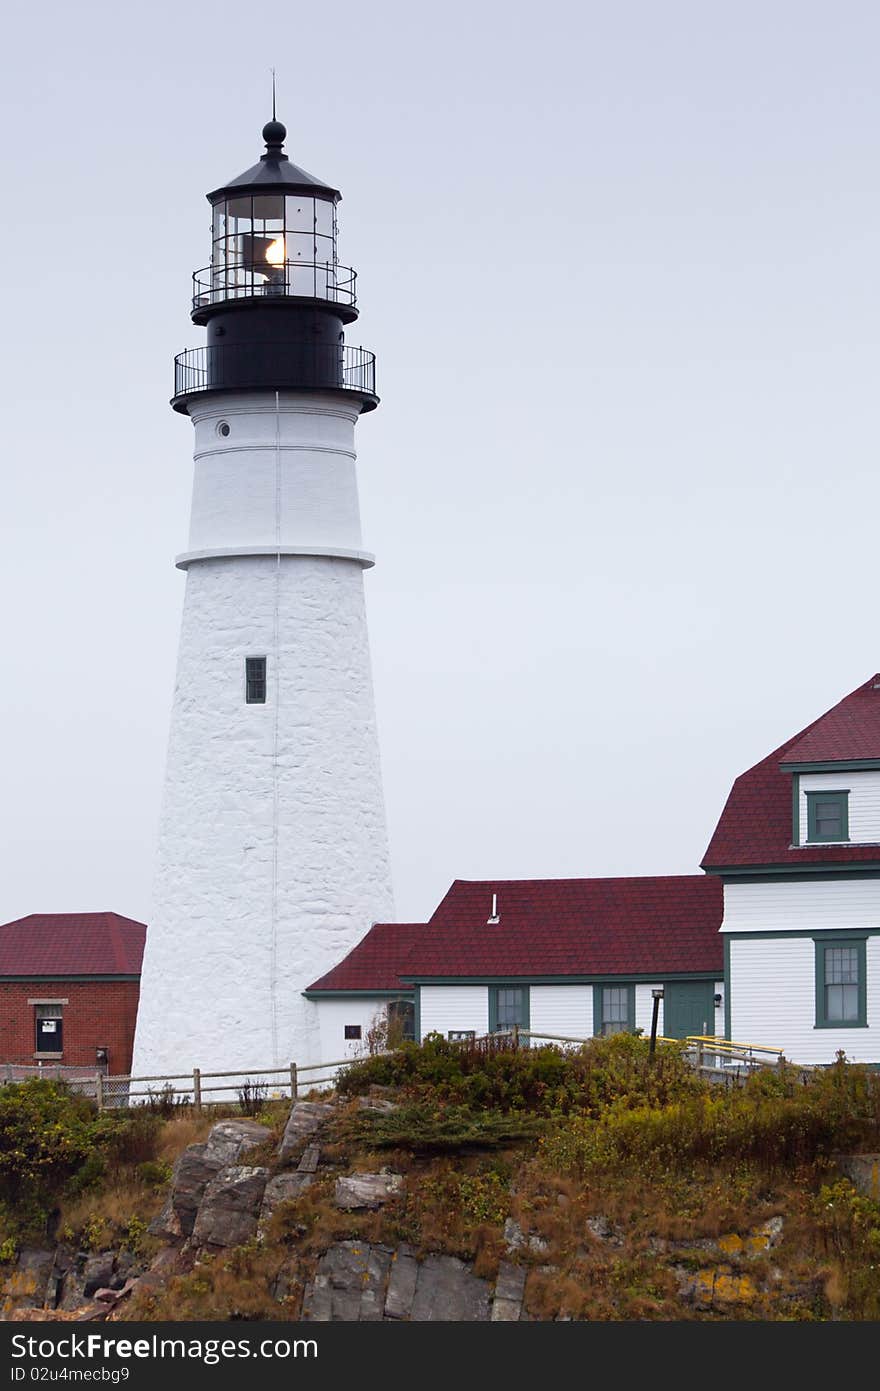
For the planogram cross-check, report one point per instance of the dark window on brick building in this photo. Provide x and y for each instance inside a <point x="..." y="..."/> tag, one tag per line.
<point x="49" y="1029"/>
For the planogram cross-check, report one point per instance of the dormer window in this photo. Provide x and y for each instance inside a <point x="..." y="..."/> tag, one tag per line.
<point x="827" y="816"/>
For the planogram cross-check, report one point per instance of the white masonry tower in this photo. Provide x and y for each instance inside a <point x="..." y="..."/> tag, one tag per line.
<point x="273" y="855"/>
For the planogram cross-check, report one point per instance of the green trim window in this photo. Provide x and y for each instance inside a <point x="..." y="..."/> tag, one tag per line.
<point x="401" y="1016"/>
<point x="614" y="1009"/>
<point x="827" y="816"/>
<point x="841" y="984"/>
<point x="508" y="1007"/>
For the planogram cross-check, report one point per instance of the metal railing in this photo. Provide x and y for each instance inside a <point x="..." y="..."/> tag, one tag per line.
<point x="300" y="365"/>
<point x="322" y="280"/>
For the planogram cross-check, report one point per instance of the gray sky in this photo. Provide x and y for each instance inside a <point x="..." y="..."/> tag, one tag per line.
<point x="619" y="265"/>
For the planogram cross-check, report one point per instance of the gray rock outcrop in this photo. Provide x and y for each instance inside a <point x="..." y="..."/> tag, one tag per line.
<point x="230" y="1207"/>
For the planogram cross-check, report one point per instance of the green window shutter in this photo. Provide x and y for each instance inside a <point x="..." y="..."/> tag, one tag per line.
<point x="827" y="816"/>
<point x="841" y="984"/>
<point x="493" y="1009"/>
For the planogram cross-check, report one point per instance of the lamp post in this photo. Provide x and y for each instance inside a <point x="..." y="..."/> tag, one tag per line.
<point x="656" y="996"/>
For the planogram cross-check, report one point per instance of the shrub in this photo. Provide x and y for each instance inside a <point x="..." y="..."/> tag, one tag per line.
<point x="538" y="1079"/>
<point x="771" y="1120"/>
<point x="252" y="1096"/>
<point x="45" y="1135"/>
<point x="427" y="1129"/>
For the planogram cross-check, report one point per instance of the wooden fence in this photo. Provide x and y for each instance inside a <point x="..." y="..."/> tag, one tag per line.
<point x="198" y="1088"/>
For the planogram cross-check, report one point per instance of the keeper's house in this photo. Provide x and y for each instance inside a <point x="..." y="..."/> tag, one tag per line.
<point x="777" y="944"/>
<point x="797" y="849"/>
<point x="69" y="985"/>
<point x="570" y="957"/>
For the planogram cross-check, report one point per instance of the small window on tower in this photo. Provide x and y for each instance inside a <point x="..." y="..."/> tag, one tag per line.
<point x="352" y="1031"/>
<point x="255" y="680"/>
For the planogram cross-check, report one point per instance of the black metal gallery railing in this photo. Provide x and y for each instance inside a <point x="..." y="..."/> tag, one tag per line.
<point x="275" y="367"/>
<point x="322" y="280"/>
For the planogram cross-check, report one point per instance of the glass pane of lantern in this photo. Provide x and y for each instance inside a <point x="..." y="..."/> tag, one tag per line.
<point x="269" y="212"/>
<point x="300" y="214"/>
<point x="324" y="250"/>
<point x="323" y="217"/>
<point x="238" y="210"/>
<point x="300" y="247"/>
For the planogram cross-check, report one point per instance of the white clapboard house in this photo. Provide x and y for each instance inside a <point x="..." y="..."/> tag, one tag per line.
<point x="777" y="943"/>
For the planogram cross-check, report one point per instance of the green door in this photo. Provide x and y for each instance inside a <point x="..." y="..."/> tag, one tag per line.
<point x="688" y="1008"/>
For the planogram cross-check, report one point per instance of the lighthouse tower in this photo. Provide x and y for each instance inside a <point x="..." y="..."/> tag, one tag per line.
<point x="273" y="855"/>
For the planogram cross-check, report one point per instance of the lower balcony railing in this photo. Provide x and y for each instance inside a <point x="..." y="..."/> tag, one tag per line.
<point x="276" y="367"/>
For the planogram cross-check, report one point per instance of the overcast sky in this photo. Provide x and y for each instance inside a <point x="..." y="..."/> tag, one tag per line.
<point x="619" y="265"/>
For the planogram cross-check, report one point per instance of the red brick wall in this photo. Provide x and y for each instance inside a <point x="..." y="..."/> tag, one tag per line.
<point x="99" y="1014"/>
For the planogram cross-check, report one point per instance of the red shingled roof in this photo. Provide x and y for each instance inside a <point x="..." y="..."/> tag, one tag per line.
<point x="547" y="927"/>
<point x="72" y="944"/>
<point x="850" y="730"/>
<point x="374" y="964"/>
<point x="755" y="827"/>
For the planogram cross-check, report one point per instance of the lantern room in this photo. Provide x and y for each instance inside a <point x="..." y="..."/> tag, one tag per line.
<point x="274" y="237"/>
<point x="274" y="298"/>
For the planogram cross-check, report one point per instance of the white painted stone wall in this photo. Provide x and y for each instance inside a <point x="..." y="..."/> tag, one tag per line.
<point x="445" y="1007"/>
<point x="273" y="856"/>
<point x="773" y="1001"/>
<point x="283" y="475"/>
<point x="864" y="802"/>
<point x="774" y="906"/>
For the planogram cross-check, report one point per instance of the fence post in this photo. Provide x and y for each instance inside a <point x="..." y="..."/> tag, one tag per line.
<point x="294" y="1083"/>
<point x="99" y="1090"/>
<point x="197" y="1088"/>
<point x="515" y="1032"/>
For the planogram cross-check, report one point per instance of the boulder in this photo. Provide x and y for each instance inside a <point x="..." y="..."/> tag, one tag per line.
<point x="305" y="1118"/>
<point x="228" y="1211"/>
<point x="283" y="1188"/>
<point x="193" y="1171"/>
<point x="449" y="1292"/>
<point x="98" y="1272"/>
<point x="349" y="1284"/>
<point x="863" y="1172"/>
<point x="367" y="1190"/>
<point x="308" y="1164"/>
<point x="229" y="1140"/>
<point x="401" y="1284"/>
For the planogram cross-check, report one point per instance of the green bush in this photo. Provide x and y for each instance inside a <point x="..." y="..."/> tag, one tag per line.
<point x="45" y="1136"/>
<point x="433" y="1129"/>
<point x="546" y="1080"/>
<point x="773" y="1119"/>
<point x="53" y="1141"/>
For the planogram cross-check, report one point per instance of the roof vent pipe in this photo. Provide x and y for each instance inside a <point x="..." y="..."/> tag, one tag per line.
<point x="493" y="916"/>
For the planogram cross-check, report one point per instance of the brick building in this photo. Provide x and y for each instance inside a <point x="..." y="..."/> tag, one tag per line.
<point x="69" y="986"/>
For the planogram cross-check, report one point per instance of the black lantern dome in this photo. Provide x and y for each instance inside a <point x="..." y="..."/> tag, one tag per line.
<point x="275" y="299"/>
